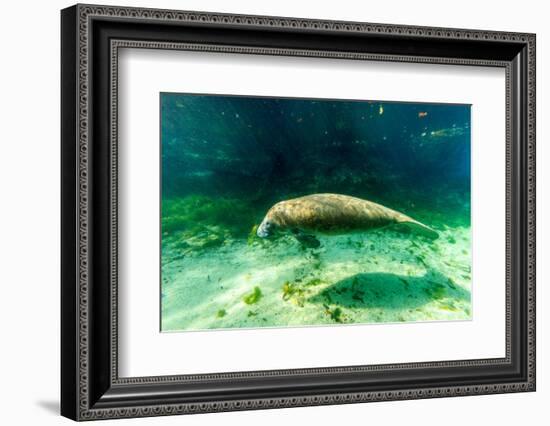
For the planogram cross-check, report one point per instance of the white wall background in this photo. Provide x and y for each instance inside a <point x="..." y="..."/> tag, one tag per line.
<point x="29" y="211"/>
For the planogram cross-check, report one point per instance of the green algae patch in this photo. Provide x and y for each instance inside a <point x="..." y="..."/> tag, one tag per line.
<point x="438" y="291"/>
<point x="253" y="297"/>
<point x="288" y="290"/>
<point x="451" y="283"/>
<point x="199" y="239"/>
<point x="314" y="282"/>
<point x="252" y="236"/>
<point x="335" y="314"/>
<point x="214" y="241"/>
<point x="293" y="293"/>
<point x="448" y="307"/>
<point x="194" y="212"/>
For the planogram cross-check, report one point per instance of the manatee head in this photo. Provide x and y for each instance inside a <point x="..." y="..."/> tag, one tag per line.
<point x="271" y="224"/>
<point x="267" y="228"/>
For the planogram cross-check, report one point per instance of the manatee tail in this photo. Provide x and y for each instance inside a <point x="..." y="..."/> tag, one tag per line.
<point x="417" y="227"/>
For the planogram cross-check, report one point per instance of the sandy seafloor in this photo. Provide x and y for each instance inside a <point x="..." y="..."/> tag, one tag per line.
<point x="375" y="277"/>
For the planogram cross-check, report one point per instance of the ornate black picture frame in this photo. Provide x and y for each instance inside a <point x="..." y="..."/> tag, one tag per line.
<point x="91" y="387"/>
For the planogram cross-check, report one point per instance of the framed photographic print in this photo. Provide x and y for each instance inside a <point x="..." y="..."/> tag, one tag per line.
<point x="263" y="212"/>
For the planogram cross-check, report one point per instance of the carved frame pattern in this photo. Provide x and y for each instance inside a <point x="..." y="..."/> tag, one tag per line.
<point x="85" y="13"/>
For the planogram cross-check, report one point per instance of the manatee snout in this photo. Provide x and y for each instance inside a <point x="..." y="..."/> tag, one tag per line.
<point x="265" y="229"/>
<point x="262" y="231"/>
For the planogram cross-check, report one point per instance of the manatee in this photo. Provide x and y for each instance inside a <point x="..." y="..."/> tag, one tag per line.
<point x="333" y="214"/>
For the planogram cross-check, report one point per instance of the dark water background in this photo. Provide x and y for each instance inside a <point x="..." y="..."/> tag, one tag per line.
<point x="413" y="157"/>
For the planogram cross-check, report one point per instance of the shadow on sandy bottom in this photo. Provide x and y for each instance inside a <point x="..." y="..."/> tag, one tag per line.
<point x="391" y="291"/>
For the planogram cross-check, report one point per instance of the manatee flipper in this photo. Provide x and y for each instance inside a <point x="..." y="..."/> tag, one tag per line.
<point x="306" y="240"/>
<point x="407" y="224"/>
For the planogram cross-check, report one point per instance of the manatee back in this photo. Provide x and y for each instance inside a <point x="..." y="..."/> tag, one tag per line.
<point x="336" y="213"/>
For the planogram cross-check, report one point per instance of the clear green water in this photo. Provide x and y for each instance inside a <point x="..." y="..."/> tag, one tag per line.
<point x="227" y="160"/>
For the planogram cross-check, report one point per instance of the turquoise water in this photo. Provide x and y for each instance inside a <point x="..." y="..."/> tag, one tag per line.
<point x="226" y="160"/>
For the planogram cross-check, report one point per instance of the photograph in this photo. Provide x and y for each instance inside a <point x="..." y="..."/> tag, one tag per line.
<point x="295" y="212"/>
<point x="265" y="208"/>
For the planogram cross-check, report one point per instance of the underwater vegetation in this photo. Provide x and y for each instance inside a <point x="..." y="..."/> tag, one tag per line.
<point x="195" y="212"/>
<point x="253" y="297"/>
<point x="226" y="160"/>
